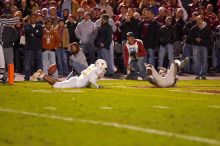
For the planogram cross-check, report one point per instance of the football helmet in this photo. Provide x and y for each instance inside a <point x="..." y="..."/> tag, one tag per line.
<point x="101" y="64"/>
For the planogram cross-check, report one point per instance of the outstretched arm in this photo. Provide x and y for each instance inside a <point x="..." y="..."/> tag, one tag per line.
<point x="93" y="82"/>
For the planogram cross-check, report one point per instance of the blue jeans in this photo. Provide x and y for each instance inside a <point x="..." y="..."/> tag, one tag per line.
<point x="151" y="56"/>
<point x="200" y="56"/>
<point x="89" y="50"/>
<point x="49" y="58"/>
<point x="138" y="65"/>
<point x="218" y="56"/>
<point x="62" y="62"/>
<point x="78" y="68"/>
<point x="32" y="57"/>
<point x="104" y="53"/>
<point x="163" y="49"/>
<point x="187" y="52"/>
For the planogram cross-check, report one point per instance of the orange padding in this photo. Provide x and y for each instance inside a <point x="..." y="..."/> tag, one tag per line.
<point x="11" y="74"/>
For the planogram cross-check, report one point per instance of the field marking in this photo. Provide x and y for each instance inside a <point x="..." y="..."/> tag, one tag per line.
<point x="117" y="125"/>
<point x="49" y="108"/>
<point x="42" y="91"/>
<point x="161" y="107"/>
<point x="215" y="106"/>
<point x="196" y="92"/>
<point x="71" y="91"/>
<point x="49" y="91"/>
<point x="106" y="107"/>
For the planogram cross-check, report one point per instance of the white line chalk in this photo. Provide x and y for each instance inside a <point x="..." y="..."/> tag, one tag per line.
<point x="215" y="106"/>
<point x="117" y="125"/>
<point x="196" y="92"/>
<point x="106" y="107"/>
<point x="50" y="108"/>
<point x="161" y="107"/>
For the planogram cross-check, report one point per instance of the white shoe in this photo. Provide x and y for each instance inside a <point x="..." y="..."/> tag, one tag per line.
<point x="37" y="75"/>
<point x="184" y="62"/>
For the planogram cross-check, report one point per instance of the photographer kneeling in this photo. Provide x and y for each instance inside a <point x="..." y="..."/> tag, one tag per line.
<point x="135" y="56"/>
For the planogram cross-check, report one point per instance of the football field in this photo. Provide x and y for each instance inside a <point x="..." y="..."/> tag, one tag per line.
<point x="123" y="113"/>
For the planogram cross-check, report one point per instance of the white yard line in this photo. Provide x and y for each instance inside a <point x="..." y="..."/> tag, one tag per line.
<point x="42" y="91"/>
<point x="161" y="107"/>
<point x="49" y="108"/>
<point x="49" y="91"/>
<point x="196" y="92"/>
<point x="215" y="106"/>
<point x="71" y="91"/>
<point x="106" y="107"/>
<point x="117" y="125"/>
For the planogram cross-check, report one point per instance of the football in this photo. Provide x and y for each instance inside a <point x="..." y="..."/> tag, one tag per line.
<point x="52" y="69"/>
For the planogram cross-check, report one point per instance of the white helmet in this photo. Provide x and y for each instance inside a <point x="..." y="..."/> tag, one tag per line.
<point x="101" y="64"/>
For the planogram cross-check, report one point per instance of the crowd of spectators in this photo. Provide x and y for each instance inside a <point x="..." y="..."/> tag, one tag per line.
<point x="74" y="33"/>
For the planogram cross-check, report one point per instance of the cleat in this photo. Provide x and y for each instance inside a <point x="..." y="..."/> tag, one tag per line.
<point x="149" y="71"/>
<point x="37" y="75"/>
<point x="197" y="78"/>
<point x="204" y="77"/>
<point x="162" y="69"/>
<point x="184" y="62"/>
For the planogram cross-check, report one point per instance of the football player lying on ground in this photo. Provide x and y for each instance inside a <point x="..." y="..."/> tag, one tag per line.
<point x="166" y="77"/>
<point x="88" y="77"/>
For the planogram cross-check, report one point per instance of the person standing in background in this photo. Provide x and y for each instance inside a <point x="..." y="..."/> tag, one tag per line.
<point x="63" y="33"/>
<point x="103" y="42"/>
<point x="85" y="32"/>
<point x="33" y="54"/>
<point x="50" y="43"/>
<point x="200" y="35"/>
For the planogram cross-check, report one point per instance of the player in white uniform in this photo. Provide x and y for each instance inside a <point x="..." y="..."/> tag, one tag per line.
<point x="88" y="77"/>
<point x="165" y="78"/>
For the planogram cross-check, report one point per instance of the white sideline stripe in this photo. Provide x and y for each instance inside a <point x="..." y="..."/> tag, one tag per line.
<point x="196" y="92"/>
<point x="71" y="91"/>
<point x="214" y="106"/>
<point x="66" y="91"/>
<point x="117" y="125"/>
<point x="161" y="107"/>
<point x="49" y="108"/>
<point x="106" y="107"/>
<point x="43" y="91"/>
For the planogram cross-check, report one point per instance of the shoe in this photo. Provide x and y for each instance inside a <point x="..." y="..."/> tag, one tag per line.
<point x="149" y="71"/>
<point x="4" y="80"/>
<point x="184" y="62"/>
<point x="162" y="69"/>
<point x="198" y="78"/>
<point x="37" y="75"/>
<point x="109" y="75"/>
<point x="204" y="77"/>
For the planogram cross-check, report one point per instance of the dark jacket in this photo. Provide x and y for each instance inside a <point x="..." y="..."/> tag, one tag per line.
<point x="129" y="27"/>
<point x="166" y="35"/>
<point x="71" y="29"/>
<point x="9" y="36"/>
<point x="178" y="29"/>
<point x="149" y="33"/>
<point x="204" y="34"/>
<point x="104" y="36"/>
<point x="187" y="28"/>
<point x="33" y="36"/>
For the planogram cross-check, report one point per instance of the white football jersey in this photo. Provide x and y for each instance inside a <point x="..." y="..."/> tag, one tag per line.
<point x="88" y="76"/>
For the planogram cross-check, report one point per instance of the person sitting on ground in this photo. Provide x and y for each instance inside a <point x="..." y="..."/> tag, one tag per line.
<point x="88" y="77"/>
<point x="165" y="78"/>
<point x="77" y="60"/>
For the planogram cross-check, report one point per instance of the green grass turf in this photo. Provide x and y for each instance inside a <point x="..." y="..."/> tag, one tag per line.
<point x="132" y="103"/>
